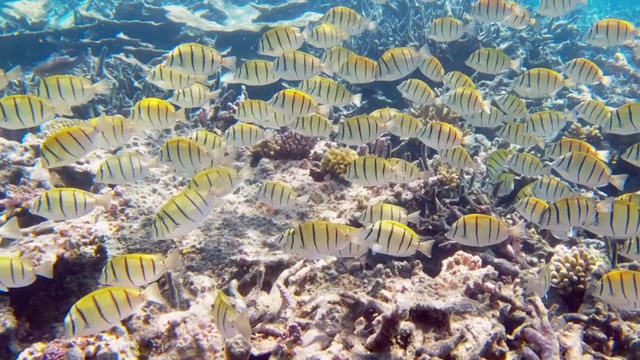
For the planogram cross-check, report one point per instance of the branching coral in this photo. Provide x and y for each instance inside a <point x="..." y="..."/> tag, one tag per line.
<point x="590" y="134"/>
<point x="570" y="268"/>
<point x="336" y="160"/>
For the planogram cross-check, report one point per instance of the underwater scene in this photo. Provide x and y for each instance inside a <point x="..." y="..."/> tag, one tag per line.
<point x="302" y="179"/>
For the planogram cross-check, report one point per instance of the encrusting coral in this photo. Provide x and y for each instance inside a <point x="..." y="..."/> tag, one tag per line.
<point x="288" y="146"/>
<point x="571" y="268"/>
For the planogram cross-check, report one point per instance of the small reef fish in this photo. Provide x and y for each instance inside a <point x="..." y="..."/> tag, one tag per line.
<point x="620" y="288"/>
<point x="105" y="308"/>
<point x="185" y="156"/>
<point x="449" y="29"/>
<point x="539" y="82"/>
<point x="220" y="181"/>
<point x="28" y="111"/>
<point x="632" y="155"/>
<point x="545" y="123"/>
<point x="194" y="96"/>
<point x="558" y="8"/>
<point x="313" y="125"/>
<point x="540" y="285"/>
<point x="432" y="68"/>
<point x="615" y="219"/>
<point x="198" y="59"/>
<point x="595" y="112"/>
<point x="494" y="118"/>
<point x="406" y="172"/>
<point x="358" y="70"/>
<point x="383" y="211"/>
<point x="253" y="111"/>
<point x="348" y="20"/>
<point x="492" y="61"/>
<point x="441" y="136"/>
<point x="563" y="215"/>
<point x="631" y="249"/>
<point x="611" y="32"/>
<point x="531" y="208"/>
<point x="115" y="131"/>
<point x="313" y="239"/>
<point x="385" y="114"/>
<point x="123" y="168"/>
<point x="515" y="134"/>
<point x="623" y="121"/>
<point x="584" y="71"/>
<point x="242" y="134"/>
<point x="370" y="170"/>
<point x="296" y="103"/>
<point x="334" y="57"/>
<point x="280" y="39"/>
<point x="360" y="130"/>
<point x="170" y="79"/>
<point x="230" y="315"/>
<point x="459" y="158"/>
<point x="399" y="62"/>
<point x="391" y="238"/>
<point x="68" y="203"/>
<point x="297" y="65"/>
<point x="404" y="126"/>
<point x="504" y="183"/>
<point x="17" y="272"/>
<point x="550" y="188"/>
<point x="456" y="79"/>
<point x="495" y="163"/>
<point x="136" y="270"/>
<point x="279" y="195"/>
<point x="588" y="170"/>
<point x="518" y="21"/>
<point x="69" y="145"/>
<point x="418" y="92"/>
<point x="156" y="114"/>
<point x="207" y="139"/>
<point x="489" y="11"/>
<point x="568" y="145"/>
<point x="479" y="230"/>
<point x="329" y="92"/>
<point x="325" y="36"/>
<point x="253" y="73"/>
<point x="467" y="101"/>
<point x="513" y="106"/>
<point x="70" y="90"/>
<point x="182" y="214"/>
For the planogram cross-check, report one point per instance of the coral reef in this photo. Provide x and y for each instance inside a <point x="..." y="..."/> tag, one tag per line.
<point x="571" y="268"/>
<point x="335" y="161"/>
<point x="286" y="146"/>
<point x="588" y="133"/>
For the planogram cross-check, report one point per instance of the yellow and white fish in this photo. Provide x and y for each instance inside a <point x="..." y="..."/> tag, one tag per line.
<point x="441" y="136"/>
<point x="198" y="59"/>
<point x="391" y="238"/>
<point x="194" y="96"/>
<point x="182" y="214"/>
<point x="449" y="29"/>
<point x="123" y="168"/>
<point x="623" y="121"/>
<point x="595" y="112"/>
<point x="515" y="134"/>
<point x="383" y="211"/>
<point x="325" y="36"/>
<point x="479" y="230"/>
<point x="312" y="239"/>
<point x="492" y="119"/>
<point x="550" y="188"/>
<point x="253" y="73"/>
<point x="406" y="172"/>
<point x="568" y="145"/>
<point x="105" y="308"/>
<point x="186" y="156"/>
<point x="540" y="285"/>
<point x="631" y="249"/>
<point x="220" y="181"/>
<point x="632" y="155"/>
<point x="358" y="70"/>
<point x="348" y="20"/>
<point x="253" y="111"/>
<point x="492" y="61"/>
<point x="615" y="219"/>
<point x="620" y="288"/>
<point x="69" y="145"/>
<point x="399" y="62"/>
<point x="526" y="164"/>
<point x="280" y="39"/>
<point x="279" y="195"/>
<point x="231" y="317"/>
<point x="156" y="114"/>
<point x="210" y="141"/>
<point x="558" y="8"/>
<point x="116" y="130"/>
<point x="514" y="107"/>
<point x="611" y="32"/>
<point x="496" y="163"/>
<point x="334" y="57"/>
<point x="296" y="103"/>
<point x="329" y="92"/>
<point x="418" y="92"/>
<point x="6" y="77"/>
<point x="370" y="170"/>
<point x="70" y="90"/>
<point x="588" y="170"/>
<point x="563" y="215"/>
<point x="136" y="270"/>
<point x="313" y="125"/>
<point x="360" y="130"/>
<point x="171" y="79"/>
<point x="68" y="203"/>
<point x="17" y="272"/>
<point x="489" y="11"/>
<point x="297" y="65"/>
<point x="456" y="79"/>
<point x="545" y="123"/>
<point x="432" y="68"/>
<point x="531" y="208"/>
<point x="404" y="126"/>
<point x="584" y="71"/>
<point x="242" y="134"/>
<point x="467" y="101"/>
<point x="504" y="183"/>
<point x="538" y="83"/>
<point x="518" y="21"/>
<point x="459" y="158"/>
<point x="385" y="114"/>
<point x="28" y="111"/>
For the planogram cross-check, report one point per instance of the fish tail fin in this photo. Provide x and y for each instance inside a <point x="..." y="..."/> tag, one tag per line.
<point x="11" y="229"/>
<point x="45" y="269"/>
<point x="104" y="200"/>
<point x="15" y="74"/>
<point x="515" y="64"/>
<point x="540" y="142"/>
<point x="414" y="217"/>
<point x="181" y="115"/>
<point x="356" y="100"/>
<point x="426" y="247"/>
<point x="468" y="140"/>
<point x="102" y="87"/>
<point x="202" y="79"/>
<point x="486" y="106"/>
<point x="519" y="230"/>
<point x="323" y="110"/>
<point x="153" y="294"/>
<point x="618" y="181"/>
<point x="173" y="260"/>
<point x="372" y="26"/>
<point x="424" y="51"/>
<point x="62" y="109"/>
<point x="470" y="28"/>
<point x="229" y="63"/>
<point x="303" y="200"/>
<point x="214" y="95"/>
<point x="606" y="80"/>
<point x="246" y="173"/>
<point x="603" y="155"/>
